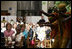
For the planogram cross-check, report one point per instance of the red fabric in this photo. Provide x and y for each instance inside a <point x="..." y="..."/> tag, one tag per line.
<point x="68" y="27"/>
<point x="54" y="31"/>
<point x="32" y="42"/>
<point x="55" y="26"/>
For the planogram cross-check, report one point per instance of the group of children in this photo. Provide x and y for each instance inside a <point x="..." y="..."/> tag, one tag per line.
<point x="23" y="35"/>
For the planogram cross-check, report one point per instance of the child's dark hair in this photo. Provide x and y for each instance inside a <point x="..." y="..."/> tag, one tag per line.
<point x="3" y="17"/>
<point x="7" y="25"/>
<point x="18" y="29"/>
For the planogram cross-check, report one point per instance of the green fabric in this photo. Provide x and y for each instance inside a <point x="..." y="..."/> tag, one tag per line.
<point x="3" y="21"/>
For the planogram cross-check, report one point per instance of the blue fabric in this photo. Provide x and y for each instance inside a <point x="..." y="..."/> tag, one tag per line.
<point x="48" y="31"/>
<point x="25" y="33"/>
<point x="31" y="34"/>
<point x="48" y="34"/>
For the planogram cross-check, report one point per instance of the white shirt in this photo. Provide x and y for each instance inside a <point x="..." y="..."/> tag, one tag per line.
<point x="18" y="23"/>
<point x="12" y="22"/>
<point x="14" y="31"/>
<point x="41" y="33"/>
<point x="19" y="36"/>
<point x="37" y="30"/>
<point x="3" y="29"/>
<point x="21" y="22"/>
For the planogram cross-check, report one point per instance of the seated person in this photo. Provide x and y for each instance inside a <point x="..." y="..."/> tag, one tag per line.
<point x="25" y="34"/>
<point x="21" y="22"/>
<point x="19" y="37"/>
<point x="14" y="29"/>
<point x="32" y="36"/>
<point x="2" y="29"/>
<point x="12" y="21"/>
<point x="8" y="34"/>
<point x="4" y="21"/>
<point x="41" y="20"/>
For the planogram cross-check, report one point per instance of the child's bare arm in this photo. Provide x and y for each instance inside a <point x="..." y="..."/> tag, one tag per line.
<point x="21" y="42"/>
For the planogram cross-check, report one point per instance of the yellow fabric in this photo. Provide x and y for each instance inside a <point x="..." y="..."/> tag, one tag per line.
<point x="3" y="21"/>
